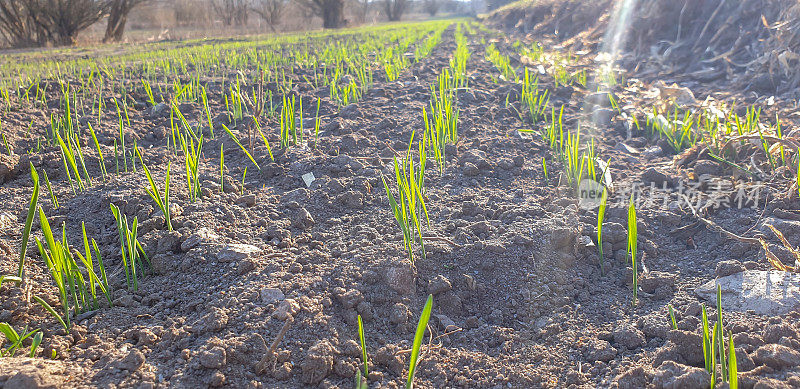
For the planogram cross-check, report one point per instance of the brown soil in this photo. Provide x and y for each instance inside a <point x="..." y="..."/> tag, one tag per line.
<point x="511" y="262"/>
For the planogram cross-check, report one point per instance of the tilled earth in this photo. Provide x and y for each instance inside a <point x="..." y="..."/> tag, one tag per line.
<point x="519" y="298"/>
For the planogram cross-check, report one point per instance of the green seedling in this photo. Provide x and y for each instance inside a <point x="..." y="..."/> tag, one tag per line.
<point x="672" y="317"/>
<point x="244" y="150"/>
<point x="131" y="250"/>
<point x="99" y="153"/>
<point x="632" y="245"/>
<point x="16" y="340"/>
<point x="362" y="374"/>
<point x="601" y="213"/>
<point x="70" y="279"/>
<point x="162" y="201"/>
<point x="714" y="344"/>
<point x="221" y="169"/>
<point x="244" y="175"/>
<point x="191" y="153"/>
<point x="50" y="190"/>
<point x="409" y="210"/>
<point x="417" y="345"/>
<point x="8" y="278"/>
<point x="317" y="125"/>
<point x="26" y="231"/>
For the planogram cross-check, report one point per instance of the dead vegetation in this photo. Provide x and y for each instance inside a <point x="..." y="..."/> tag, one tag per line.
<point x="755" y="38"/>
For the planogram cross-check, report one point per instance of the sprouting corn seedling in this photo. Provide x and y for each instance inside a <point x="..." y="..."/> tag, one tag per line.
<point x="601" y="213"/>
<point x="417" y="345"/>
<point x="410" y="208"/>
<point x="9" y="151"/>
<point x="99" y="152"/>
<point x="16" y="340"/>
<point x="533" y="102"/>
<point x="714" y="344"/>
<point x="26" y="231"/>
<point x="501" y="62"/>
<point x="221" y="168"/>
<point x="244" y="174"/>
<point x="362" y="374"/>
<point x="236" y="140"/>
<point x="544" y="170"/>
<point x="678" y="132"/>
<point x="289" y="123"/>
<point x="149" y="92"/>
<point x="68" y="277"/>
<point x="316" y="125"/>
<point x="797" y="176"/>
<point x="162" y="201"/>
<point x="130" y="248"/>
<point x="632" y="245"/>
<point x="672" y="317"/>
<point x="191" y="153"/>
<point x="50" y="190"/>
<point x="122" y="136"/>
<point x="208" y="112"/>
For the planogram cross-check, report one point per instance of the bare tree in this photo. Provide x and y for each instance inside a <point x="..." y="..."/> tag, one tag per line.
<point x="361" y="9"/>
<point x="431" y="6"/>
<point x="17" y="26"/>
<point x="395" y="9"/>
<point x="118" y="17"/>
<point x="331" y="11"/>
<point x="188" y="13"/>
<point x="39" y="22"/>
<point x="270" y="11"/>
<point x="231" y="11"/>
<point x="64" y="19"/>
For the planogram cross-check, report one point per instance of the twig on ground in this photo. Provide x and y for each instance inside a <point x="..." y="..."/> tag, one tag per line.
<point x="268" y="357"/>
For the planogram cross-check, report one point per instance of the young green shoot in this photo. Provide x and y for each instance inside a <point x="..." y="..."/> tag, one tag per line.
<point x="161" y="200"/>
<point x="672" y="317"/>
<point x="26" y="231"/>
<point x="15" y="340"/>
<point x="601" y="214"/>
<point x="131" y="249"/>
<point x="50" y="190"/>
<point x="362" y="374"/>
<point x="632" y="245"/>
<point x="221" y="168"/>
<point x="236" y="140"/>
<point x="417" y="345"/>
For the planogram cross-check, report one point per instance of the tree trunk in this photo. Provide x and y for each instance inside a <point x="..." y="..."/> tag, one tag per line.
<point x="116" y="21"/>
<point x="332" y="14"/>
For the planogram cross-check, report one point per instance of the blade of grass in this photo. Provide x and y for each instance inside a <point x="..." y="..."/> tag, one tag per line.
<point x="417" y="345"/>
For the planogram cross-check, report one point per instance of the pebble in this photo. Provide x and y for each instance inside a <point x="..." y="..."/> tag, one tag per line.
<point x="471" y="170"/>
<point x="728" y="267"/>
<point x="202" y="235"/>
<point x="675" y="375"/>
<point x="629" y="336"/>
<point x="213" y="358"/>
<point x="303" y="219"/>
<point x="236" y="251"/>
<point x="271" y="295"/>
<point x="132" y="362"/>
<point x="440" y="284"/>
<point x="776" y="356"/>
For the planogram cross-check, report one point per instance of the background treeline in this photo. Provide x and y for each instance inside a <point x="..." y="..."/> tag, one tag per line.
<point x="38" y="23"/>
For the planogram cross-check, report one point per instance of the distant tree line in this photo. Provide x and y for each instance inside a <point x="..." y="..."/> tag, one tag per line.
<point x="32" y="23"/>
